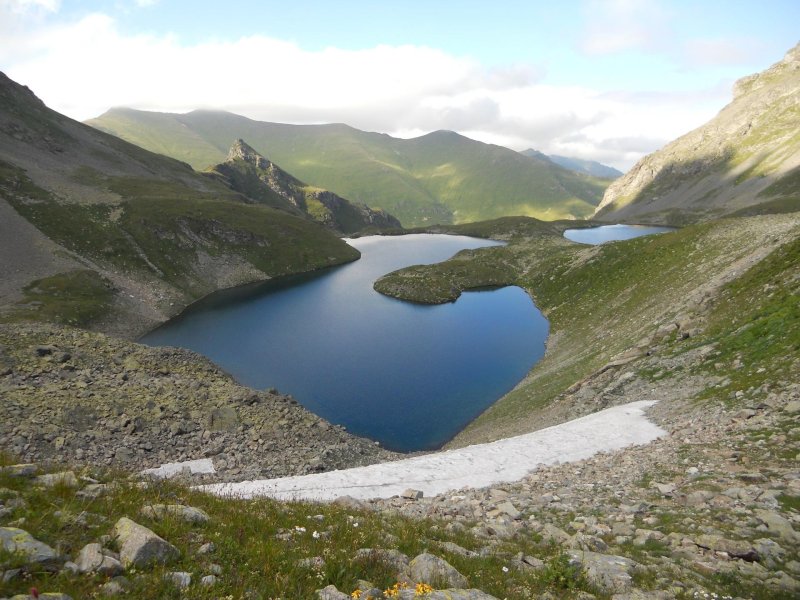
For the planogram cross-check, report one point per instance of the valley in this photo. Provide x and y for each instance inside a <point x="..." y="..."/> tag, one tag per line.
<point x="103" y="240"/>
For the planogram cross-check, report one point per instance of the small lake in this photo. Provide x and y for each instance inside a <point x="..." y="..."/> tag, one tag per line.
<point x="410" y="376"/>
<point x="612" y="233"/>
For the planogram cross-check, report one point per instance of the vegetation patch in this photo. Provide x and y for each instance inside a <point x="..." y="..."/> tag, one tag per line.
<point x="76" y="298"/>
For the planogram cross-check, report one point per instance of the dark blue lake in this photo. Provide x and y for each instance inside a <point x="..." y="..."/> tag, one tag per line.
<point x="612" y="233"/>
<point x="407" y="375"/>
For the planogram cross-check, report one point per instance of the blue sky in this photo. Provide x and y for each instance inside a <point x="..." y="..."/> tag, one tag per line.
<point x="608" y="80"/>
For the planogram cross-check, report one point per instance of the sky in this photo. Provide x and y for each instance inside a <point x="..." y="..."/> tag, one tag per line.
<point x="607" y="80"/>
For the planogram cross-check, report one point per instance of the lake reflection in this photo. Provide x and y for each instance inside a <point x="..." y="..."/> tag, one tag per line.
<point x="612" y="233"/>
<point x="408" y="375"/>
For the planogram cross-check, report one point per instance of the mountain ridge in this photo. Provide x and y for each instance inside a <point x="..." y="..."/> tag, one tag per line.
<point x="146" y="232"/>
<point x="579" y="165"/>
<point x="440" y="177"/>
<point x="745" y="160"/>
<point x="252" y="174"/>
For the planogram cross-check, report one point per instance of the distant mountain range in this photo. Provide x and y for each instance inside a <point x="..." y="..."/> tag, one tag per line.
<point x="579" y="165"/>
<point x="746" y="160"/>
<point x="442" y="177"/>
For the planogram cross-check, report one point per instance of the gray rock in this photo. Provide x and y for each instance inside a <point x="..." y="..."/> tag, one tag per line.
<point x="509" y="509"/>
<point x="777" y="525"/>
<point x="115" y="587"/>
<point x="553" y="535"/>
<point x="19" y="541"/>
<point x="435" y="571"/>
<point x="735" y="548"/>
<point x="93" y="491"/>
<point x="665" y="489"/>
<point x="180" y="579"/>
<point x="65" y="478"/>
<point x="456" y="549"/>
<point x="770" y="552"/>
<point x="93" y="559"/>
<point x="606" y="571"/>
<point x="21" y="470"/>
<point x="792" y="407"/>
<point x="141" y="547"/>
<point x="410" y="494"/>
<point x="331" y="593"/>
<point x="393" y="558"/>
<point x="207" y="548"/>
<point x="188" y="514"/>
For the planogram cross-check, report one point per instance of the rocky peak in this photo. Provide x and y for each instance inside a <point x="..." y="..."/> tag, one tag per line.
<point x="241" y="150"/>
<point x="790" y="62"/>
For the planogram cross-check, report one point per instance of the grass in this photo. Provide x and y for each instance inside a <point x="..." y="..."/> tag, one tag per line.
<point x="160" y="227"/>
<point x="756" y="322"/>
<point x="76" y="298"/>
<point x="259" y="544"/>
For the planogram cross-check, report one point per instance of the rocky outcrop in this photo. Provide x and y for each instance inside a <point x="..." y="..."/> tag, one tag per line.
<point x="745" y="160"/>
<point x="141" y="547"/>
<point x="103" y="400"/>
<point x="258" y="178"/>
<point x="18" y="541"/>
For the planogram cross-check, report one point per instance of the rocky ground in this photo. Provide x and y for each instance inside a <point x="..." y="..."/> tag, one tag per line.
<point x="713" y="502"/>
<point x="73" y="395"/>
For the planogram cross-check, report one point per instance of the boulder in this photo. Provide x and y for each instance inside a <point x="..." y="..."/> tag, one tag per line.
<point x="608" y="572"/>
<point x="435" y="571"/>
<point x="94" y="559"/>
<point x="331" y="593"/>
<point x="188" y="514"/>
<point x="778" y="525"/>
<point x="20" y="470"/>
<point x="19" y="541"/>
<point x="141" y="547"/>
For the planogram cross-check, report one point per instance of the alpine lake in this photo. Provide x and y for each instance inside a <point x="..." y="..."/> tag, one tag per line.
<point x="409" y="376"/>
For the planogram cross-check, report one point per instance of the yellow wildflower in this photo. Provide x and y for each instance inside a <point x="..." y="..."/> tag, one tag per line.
<point x="422" y="589"/>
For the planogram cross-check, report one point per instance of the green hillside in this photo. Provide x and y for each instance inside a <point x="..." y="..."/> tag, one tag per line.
<point x="441" y="177"/>
<point x="246" y="171"/>
<point x="85" y="210"/>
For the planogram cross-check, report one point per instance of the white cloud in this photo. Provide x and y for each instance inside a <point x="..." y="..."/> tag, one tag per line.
<point x="620" y="25"/>
<point x="719" y="51"/>
<point x="85" y="67"/>
<point x="27" y="6"/>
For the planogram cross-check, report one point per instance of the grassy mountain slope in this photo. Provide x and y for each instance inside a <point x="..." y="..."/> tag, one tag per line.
<point x="746" y="160"/>
<point x="441" y="177"/>
<point x="248" y="172"/>
<point x="149" y="229"/>
<point x="579" y="165"/>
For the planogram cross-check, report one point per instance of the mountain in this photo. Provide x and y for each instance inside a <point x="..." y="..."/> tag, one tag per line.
<point x="97" y="231"/>
<point x="589" y="167"/>
<point x="441" y="177"/>
<point x="579" y="165"/>
<point x="746" y="160"/>
<point x="246" y="171"/>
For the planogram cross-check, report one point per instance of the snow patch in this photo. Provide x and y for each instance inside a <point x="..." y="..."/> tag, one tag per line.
<point x="167" y="470"/>
<point x="475" y="466"/>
